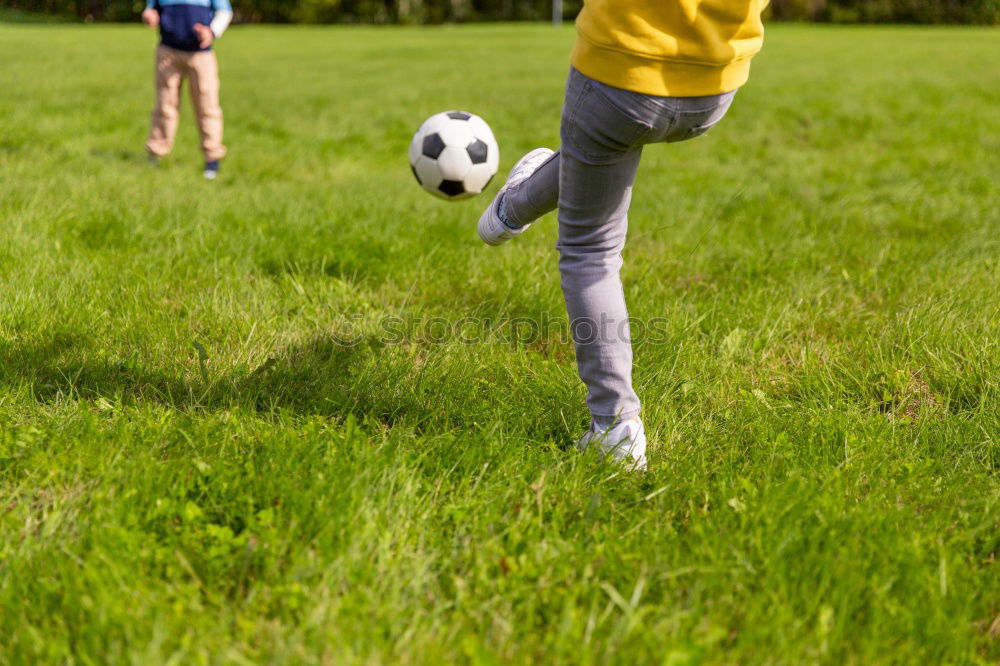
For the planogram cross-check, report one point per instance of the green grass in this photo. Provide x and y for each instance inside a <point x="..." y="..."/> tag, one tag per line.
<point x="822" y="397"/>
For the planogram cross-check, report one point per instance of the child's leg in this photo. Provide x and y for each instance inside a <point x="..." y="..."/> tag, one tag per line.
<point x="205" y="95"/>
<point x="593" y="220"/>
<point x="601" y="149"/>
<point x="534" y="196"/>
<point x="163" y="128"/>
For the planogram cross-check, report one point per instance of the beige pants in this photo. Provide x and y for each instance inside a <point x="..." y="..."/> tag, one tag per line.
<point x="202" y="70"/>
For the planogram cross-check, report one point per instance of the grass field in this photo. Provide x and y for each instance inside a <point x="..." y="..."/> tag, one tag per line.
<point x="195" y="468"/>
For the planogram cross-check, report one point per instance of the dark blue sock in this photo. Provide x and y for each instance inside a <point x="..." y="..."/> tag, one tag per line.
<point x="501" y="210"/>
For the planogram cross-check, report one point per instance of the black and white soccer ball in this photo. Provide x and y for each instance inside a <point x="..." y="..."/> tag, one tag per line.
<point x="454" y="155"/>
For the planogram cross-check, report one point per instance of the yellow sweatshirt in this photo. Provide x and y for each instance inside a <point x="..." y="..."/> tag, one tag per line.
<point x="676" y="48"/>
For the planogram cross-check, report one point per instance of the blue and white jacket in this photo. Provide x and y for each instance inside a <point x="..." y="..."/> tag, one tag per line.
<point x="178" y="17"/>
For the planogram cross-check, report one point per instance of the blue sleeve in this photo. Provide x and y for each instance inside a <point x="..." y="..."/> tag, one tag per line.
<point x="221" y="5"/>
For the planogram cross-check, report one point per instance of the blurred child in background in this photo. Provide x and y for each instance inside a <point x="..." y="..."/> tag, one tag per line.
<point x="188" y="28"/>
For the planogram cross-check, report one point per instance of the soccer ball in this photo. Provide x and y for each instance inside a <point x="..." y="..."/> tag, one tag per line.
<point x="454" y="155"/>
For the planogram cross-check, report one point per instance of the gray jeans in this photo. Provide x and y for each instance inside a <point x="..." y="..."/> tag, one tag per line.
<point x="590" y="181"/>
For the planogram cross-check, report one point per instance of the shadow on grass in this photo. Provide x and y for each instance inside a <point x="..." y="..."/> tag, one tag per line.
<point x="133" y="157"/>
<point x="312" y="378"/>
<point x="370" y="380"/>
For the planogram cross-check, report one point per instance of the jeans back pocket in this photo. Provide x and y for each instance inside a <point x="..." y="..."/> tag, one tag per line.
<point x="694" y="122"/>
<point x="595" y="126"/>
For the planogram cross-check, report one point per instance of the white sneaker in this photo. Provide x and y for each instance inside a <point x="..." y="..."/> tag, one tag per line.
<point x="625" y="440"/>
<point x="491" y="228"/>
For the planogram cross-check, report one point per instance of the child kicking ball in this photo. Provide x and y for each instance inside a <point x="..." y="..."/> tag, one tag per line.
<point x="643" y="71"/>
